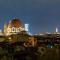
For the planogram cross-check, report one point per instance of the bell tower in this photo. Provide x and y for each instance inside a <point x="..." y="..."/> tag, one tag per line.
<point x="56" y="30"/>
<point x="5" y="28"/>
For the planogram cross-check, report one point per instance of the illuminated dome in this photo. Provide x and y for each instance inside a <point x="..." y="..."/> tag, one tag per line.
<point x="15" y="23"/>
<point x="15" y="26"/>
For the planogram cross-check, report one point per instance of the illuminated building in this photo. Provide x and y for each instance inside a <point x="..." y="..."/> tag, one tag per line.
<point x="15" y="26"/>
<point x="1" y="33"/>
<point x="27" y="27"/>
<point x="57" y="30"/>
<point x="15" y="30"/>
<point x="5" y="28"/>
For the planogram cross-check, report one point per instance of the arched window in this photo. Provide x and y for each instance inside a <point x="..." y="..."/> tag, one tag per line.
<point x="13" y="29"/>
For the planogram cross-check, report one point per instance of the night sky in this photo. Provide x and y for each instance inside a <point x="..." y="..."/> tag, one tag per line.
<point x="42" y="15"/>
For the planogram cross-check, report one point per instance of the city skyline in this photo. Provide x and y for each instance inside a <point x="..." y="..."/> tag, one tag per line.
<point x="41" y="15"/>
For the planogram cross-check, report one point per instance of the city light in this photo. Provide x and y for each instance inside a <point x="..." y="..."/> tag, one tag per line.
<point x="26" y="27"/>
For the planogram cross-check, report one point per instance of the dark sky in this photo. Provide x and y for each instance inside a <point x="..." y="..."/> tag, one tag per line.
<point x="42" y="15"/>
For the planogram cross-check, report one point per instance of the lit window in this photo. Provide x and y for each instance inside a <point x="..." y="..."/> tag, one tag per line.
<point x="13" y="29"/>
